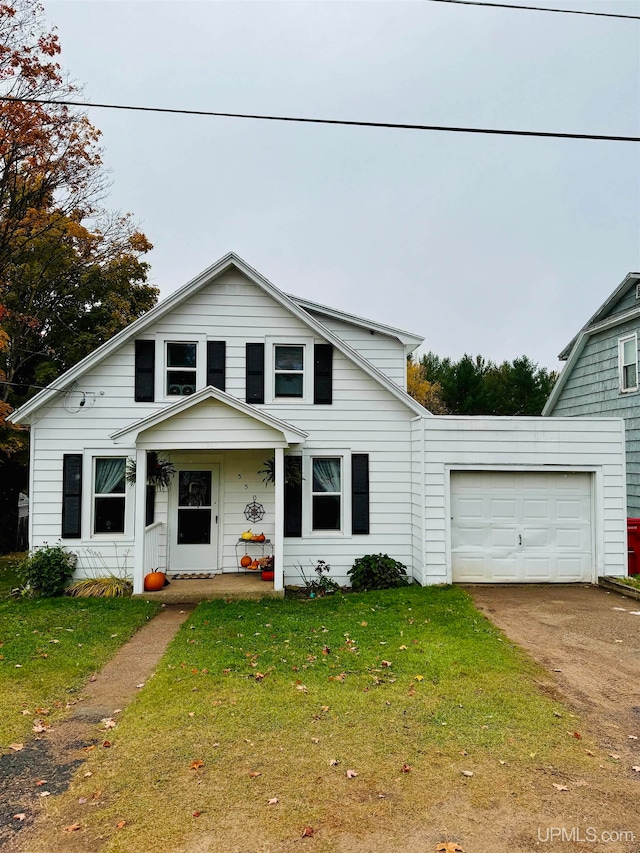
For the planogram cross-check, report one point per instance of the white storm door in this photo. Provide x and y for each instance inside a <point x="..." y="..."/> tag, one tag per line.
<point x="521" y="527"/>
<point x="193" y="520"/>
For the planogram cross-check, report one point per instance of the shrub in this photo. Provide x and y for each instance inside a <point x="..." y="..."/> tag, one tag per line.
<point x="377" y="571"/>
<point x="46" y="571"/>
<point x="322" y="584"/>
<point x="108" y="587"/>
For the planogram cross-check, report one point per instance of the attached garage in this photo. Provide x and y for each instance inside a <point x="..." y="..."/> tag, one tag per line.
<point x="521" y="526"/>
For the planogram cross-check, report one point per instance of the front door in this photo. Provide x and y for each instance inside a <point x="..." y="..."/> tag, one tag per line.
<point x="193" y="528"/>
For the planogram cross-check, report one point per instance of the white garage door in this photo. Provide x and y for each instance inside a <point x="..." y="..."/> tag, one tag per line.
<point x="521" y="526"/>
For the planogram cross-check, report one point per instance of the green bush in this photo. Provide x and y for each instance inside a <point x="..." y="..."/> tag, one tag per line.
<point x="377" y="571"/>
<point x="46" y="571"/>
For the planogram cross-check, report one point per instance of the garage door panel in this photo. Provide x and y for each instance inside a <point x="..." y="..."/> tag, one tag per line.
<point x="521" y="526"/>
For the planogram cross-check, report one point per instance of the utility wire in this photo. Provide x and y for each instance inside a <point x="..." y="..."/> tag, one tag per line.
<point x="382" y="124"/>
<point x="539" y="9"/>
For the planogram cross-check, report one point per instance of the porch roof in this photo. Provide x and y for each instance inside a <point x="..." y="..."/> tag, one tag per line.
<point x="209" y="419"/>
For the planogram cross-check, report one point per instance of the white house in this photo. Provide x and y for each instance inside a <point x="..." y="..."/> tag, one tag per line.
<point x="230" y="372"/>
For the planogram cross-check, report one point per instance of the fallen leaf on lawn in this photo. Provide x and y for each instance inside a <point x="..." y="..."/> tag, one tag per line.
<point x="18" y="666"/>
<point x="557" y="714"/>
<point x="73" y="827"/>
<point x="41" y="782"/>
<point x="272" y="801"/>
<point x="575" y="735"/>
<point x="302" y="687"/>
<point x="463" y="752"/>
<point x="307" y="832"/>
<point x="45" y="794"/>
<point x="120" y="824"/>
<point x="636" y="769"/>
<point x="405" y="768"/>
<point x="26" y="713"/>
<point x="106" y="744"/>
<point x="89" y="748"/>
<point x="385" y="663"/>
<point x="255" y="773"/>
<point x="467" y="772"/>
<point x="16" y="747"/>
<point x="632" y="737"/>
<point x="109" y="722"/>
<point x="40" y="727"/>
<point x="351" y="774"/>
<point x="502" y="762"/>
<point x="96" y="795"/>
<point x="614" y="755"/>
<point x="560" y="787"/>
<point x="324" y="707"/>
<point x="259" y="676"/>
<point x="334" y="762"/>
<point x="88" y="773"/>
<point x="326" y="650"/>
<point x="589" y="752"/>
<point x="82" y="800"/>
<point x="419" y="677"/>
<point x="140" y="686"/>
<point x="364" y="624"/>
<point x="315" y="740"/>
<point x="197" y="764"/>
<point x="20" y="816"/>
<point x="449" y="847"/>
<point x="191" y="714"/>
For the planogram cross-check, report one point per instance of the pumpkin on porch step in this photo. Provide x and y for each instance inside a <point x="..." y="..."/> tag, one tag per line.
<point x="154" y="581"/>
<point x="267" y="575"/>
<point x="246" y="561"/>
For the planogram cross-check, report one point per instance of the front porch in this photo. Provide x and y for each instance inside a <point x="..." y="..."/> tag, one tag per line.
<point x="243" y="585"/>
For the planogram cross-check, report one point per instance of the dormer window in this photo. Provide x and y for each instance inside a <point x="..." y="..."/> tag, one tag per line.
<point x="628" y="363"/>
<point x="289" y="371"/>
<point x="181" y="369"/>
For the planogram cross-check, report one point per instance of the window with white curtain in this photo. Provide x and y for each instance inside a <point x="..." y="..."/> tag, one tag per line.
<point x="109" y="494"/>
<point x="326" y="493"/>
<point x="628" y="363"/>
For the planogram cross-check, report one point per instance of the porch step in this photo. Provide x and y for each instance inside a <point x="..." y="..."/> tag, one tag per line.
<point x="241" y="586"/>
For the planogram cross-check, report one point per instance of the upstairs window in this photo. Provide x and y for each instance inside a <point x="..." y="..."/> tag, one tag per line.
<point x="109" y="495"/>
<point x="628" y="363"/>
<point x="326" y="493"/>
<point x="289" y="372"/>
<point x="181" y="369"/>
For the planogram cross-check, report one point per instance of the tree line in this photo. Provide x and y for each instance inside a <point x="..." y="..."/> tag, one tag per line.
<point x="478" y="386"/>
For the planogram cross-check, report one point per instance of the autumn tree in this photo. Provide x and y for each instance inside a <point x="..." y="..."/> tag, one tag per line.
<point x="428" y="394"/>
<point x="71" y="273"/>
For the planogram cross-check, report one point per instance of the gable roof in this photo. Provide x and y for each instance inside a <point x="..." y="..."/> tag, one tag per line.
<point x="225" y="263"/>
<point x="408" y="339"/>
<point x="597" y="323"/>
<point x="291" y="434"/>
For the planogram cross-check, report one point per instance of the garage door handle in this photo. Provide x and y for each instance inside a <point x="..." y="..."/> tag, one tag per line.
<point x="519" y="538"/>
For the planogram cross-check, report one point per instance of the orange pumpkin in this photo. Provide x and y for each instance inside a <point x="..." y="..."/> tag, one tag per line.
<point x="154" y="581"/>
<point x="260" y="538"/>
<point x="246" y="561"/>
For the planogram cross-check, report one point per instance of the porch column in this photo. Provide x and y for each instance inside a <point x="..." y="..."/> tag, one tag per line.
<point x="139" y="521"/>
<point x="278" y="546"/>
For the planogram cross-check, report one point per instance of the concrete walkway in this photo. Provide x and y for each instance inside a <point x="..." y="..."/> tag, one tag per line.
<point x="56" y="755"/>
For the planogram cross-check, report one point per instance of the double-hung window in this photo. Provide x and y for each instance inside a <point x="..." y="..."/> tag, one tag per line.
<point x="288" y="372"/>
<point x="628" y="363"/>
<point x="109" y="495"/>
<point x="326" y="493"/>
<point x="181" y="369"/>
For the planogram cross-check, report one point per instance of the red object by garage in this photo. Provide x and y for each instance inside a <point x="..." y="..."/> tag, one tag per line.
<point x="633" y="543"/>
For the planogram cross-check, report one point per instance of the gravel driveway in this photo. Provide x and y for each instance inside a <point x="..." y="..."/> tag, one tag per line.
<point x="589" y="639"/>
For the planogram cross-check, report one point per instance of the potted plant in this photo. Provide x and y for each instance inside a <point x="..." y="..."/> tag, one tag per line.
<point x="266" y="566"/>
<point x="159" y="471"/>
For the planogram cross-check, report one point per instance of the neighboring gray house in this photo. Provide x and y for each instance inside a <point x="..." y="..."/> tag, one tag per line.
<point x="600" y="376"/>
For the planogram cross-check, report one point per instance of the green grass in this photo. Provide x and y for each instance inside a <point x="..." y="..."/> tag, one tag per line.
<point x="49" y="646"/>
<point x="8" y="573"/>
<point x="633" y="581"/>
<point x="268" y="694"/>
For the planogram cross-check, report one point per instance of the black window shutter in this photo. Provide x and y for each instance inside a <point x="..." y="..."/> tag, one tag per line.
<point x="71" y="496"/>
<point x="145" y="371"/>
<point x="216" y="360"/>
<point x="255" y="373"/>
<point x="360" y="493"/>
<point x="293" y="497"/>
<point x="323" y="374"/>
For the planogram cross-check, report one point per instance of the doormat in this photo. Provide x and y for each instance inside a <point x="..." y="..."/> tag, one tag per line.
<point x="192" y="576"/>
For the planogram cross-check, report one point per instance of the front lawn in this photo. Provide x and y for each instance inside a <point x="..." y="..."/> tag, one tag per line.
<point x="355" y="716"/>
<point x="9" y="579"/>
<point x="48" y="648"/>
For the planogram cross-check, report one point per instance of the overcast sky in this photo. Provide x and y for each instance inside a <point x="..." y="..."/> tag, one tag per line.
<point x="491" y="245"/>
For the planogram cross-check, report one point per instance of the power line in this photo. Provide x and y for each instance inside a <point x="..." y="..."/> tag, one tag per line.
<point x="539" y="9"/>
<point x="381" y="124"/>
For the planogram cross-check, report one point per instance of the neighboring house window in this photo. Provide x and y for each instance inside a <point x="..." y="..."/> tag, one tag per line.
<point x="181" y="369"/>
<point x="628" y="360"/>
<point x="326" y="493"/>
<point x="289" y="371"/>
<point x="109" y="495"/>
